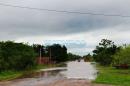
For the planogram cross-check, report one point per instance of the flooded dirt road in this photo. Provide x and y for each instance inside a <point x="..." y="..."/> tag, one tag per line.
<point x="81" y="70"/>
<point x="75" y="74"/>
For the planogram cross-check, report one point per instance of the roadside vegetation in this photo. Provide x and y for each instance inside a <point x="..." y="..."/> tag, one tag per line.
<point x="103" y="54"/>
<point x="15" y="58"/>
<point x="114" y="63"/>
<point x="10" y="75"/>
<point x="122" y="58"/>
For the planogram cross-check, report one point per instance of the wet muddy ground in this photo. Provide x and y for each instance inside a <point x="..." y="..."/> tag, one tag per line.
<point x="75" y="74"/>
<point x="62" y="82"/>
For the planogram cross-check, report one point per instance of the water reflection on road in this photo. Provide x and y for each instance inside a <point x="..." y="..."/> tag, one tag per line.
<point x="81" y="70"/>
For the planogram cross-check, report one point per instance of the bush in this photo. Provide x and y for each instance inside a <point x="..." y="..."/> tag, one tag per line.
<point x="122" y="57"/>
<point x="16" y="56"/>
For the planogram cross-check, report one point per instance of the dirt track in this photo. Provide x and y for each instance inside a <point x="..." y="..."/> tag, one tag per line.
<point x="65" y="82"/>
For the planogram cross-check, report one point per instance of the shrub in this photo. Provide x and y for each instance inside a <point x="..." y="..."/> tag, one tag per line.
<point x="16" y="56"/>
<point x="122" y="57"/>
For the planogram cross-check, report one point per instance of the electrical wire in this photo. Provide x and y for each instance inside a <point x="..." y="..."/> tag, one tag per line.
<point x="64" y="11"/>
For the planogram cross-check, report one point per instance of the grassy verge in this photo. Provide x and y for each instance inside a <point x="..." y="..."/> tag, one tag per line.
<point x="109" y="75"/>
<point x="50" y="65"/>
<point x="10" y="75"/>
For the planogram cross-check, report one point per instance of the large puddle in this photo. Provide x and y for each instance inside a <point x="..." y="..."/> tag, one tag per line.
<point x="74" y="70"/>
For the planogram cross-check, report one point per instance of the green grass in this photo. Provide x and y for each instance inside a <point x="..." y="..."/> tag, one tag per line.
<point x="9" y="75"/>
<point x="109" y="75"/>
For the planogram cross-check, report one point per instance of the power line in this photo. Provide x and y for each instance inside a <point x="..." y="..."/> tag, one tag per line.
<point x="64" y="11"/>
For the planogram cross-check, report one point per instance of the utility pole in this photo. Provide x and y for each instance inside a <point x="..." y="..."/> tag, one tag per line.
<point x="40" y="58"/>
<point x="50" y="54"/>
<point x="40" y="55"/>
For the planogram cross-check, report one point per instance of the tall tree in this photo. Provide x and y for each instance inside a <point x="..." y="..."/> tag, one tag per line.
<point x="104" y="51"/>
<point x="39" y="49"/>
<point x="57" y="52"/>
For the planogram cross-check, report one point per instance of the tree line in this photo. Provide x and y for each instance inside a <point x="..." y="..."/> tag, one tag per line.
<point x="57" y="52"/>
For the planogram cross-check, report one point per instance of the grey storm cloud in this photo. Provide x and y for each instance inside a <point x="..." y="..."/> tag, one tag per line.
<point x="22" y="22"/>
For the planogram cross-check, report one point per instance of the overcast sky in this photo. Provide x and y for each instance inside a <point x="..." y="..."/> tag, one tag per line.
<point x="84" y="32"/>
